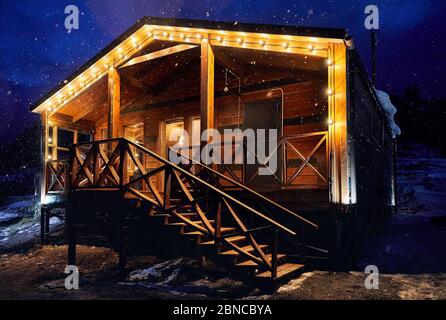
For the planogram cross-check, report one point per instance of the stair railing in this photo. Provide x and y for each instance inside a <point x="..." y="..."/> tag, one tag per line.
<point x="121" y="165"/>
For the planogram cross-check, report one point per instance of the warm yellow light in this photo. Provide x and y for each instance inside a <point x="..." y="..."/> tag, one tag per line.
<point x="219" y="39"/>
<point x="150" y="34"/>
<point x="240" y="41"/>
<point x="262" y="43"/>
<point x="285" y="45"/>
<point x="50" y="140"/>
<point x="49" y="157"/>
<point x="311" y="48"/>
<point x="330" y="92"/>
<point x="330" y="122"/>
<point x="200" y="36"/>
<point x="329" y="62"/>
<point x="183" y="36"/>
<point x="165" y="34"/>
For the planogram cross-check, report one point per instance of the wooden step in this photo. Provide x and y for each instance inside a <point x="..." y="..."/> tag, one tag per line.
<point x="282" y="270"/>
<point x="250" y="263"/>
<point x="247" y="248"/>
<point x="194" y="233"/>
<point x="199" y="233"/>
<point x="184" y="224"/>
<point x="167" y="216"/>
<point x="232" y="239"/>
<point x="184" y="227"/>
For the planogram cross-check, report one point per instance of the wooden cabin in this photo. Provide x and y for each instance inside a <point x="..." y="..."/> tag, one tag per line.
<point x="107" y="130"/>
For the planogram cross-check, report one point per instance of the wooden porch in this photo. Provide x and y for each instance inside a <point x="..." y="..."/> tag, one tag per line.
<point x="114" y="126"/>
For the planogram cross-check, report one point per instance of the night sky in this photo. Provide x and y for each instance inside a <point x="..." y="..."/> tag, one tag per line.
<point x="36" y="52"/>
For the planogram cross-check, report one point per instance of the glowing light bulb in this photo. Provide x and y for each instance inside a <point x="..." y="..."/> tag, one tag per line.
<point x="285" y="45"/>
<point x="219" y="39"/>
<point x="240" y="41"/>
<point x="330" y="92"/>
<point x="329" y="62"/>
<point x="311" y="48"/>
<point x="262" y="43"/>
<point x="330" y="122"/>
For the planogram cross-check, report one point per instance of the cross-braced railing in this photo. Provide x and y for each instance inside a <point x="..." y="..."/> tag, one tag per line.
<point x="302" y="161"/>
<point x="56" y="177"/>
<point x="120" y="164"/>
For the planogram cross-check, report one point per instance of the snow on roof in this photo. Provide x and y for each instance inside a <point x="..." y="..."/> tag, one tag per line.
<point x="389" y="110"/>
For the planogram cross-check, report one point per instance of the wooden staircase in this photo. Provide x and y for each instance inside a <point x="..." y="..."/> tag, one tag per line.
<point x="241" y="229"/>
<point x="236" y="249"/>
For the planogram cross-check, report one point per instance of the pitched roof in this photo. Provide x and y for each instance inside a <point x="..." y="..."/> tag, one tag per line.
<point x="329" y="33"/>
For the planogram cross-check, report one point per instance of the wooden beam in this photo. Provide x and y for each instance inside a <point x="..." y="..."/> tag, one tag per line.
<point x="114" y="102"/>
<point x="248" y="89"/>
<point x="84" y="112"/>
<point x="229" y="63"/>
<point x="207" y="86"/>
<point x="159" y="54"/>
<point x="67" y="122"/>
<point x="337" y="112"/>
<point x="44" y="137"/>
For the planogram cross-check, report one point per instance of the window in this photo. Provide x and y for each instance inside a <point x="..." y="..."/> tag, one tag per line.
<point x="60" y="140"/>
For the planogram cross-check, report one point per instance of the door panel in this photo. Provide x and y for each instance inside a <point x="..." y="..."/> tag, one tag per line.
<point x="264" y="114"/>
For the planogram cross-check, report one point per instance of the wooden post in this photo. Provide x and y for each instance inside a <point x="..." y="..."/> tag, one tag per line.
<point x="218" y="227"/>
<point x="122" y="161"/>
<point x="167" y="187"/>
<point x="275" y="246"/>
<point x="337" y="112"/>
<point x="44" y="146"/>
<point x="114" y="103"/>
<point x="54" y="143"/>
<point x="207" y="87"/>
<point x="123" y="250"/>
<point x="47" y="226"/>
<point x="42" y="224"/>
<point x="71" y="236"/>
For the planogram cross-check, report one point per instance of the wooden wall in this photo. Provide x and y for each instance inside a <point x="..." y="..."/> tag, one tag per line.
<point x="305" y="110"/>
<point x="373" y="153"/>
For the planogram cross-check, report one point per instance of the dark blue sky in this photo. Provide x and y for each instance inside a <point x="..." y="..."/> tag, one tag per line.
<point x="36" y="52"/>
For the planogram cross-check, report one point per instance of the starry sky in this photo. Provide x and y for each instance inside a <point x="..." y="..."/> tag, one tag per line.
<point x="37" y="52"/>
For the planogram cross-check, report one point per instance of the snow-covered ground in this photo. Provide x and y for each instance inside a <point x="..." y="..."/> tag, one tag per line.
<point x="20" y="223"/>
<point x="409" y="251"/>
<point x="411" y="241"/>
<point x="185" y="277"/>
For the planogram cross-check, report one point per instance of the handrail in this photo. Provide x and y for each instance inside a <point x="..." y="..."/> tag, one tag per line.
<point x="193" y="177"/>
<point x="218" y="191"/>
<point x="284" y="142"/>
<point x="290" y="137"/>
<point x="276" y="205"/>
